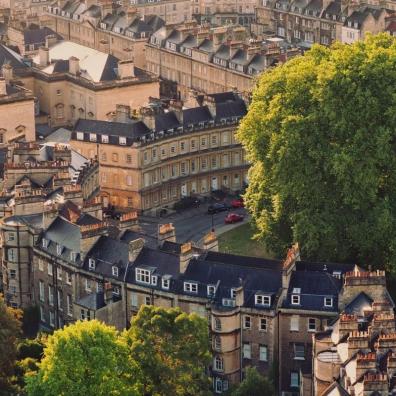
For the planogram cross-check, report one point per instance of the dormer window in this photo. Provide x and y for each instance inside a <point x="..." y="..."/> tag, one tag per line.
<point x="190" y="287"/>
<point x="295" y="299"/>
<point x="92" y="137"/>
<point x="105" y="138"/>
<point x="211" y="289"/>
<point x="45" y="243"/>
<point x="122" y="140"/>
<point x="80" y="136"/>
<point x="116" y="290"/>
<point x="233" y="293"/>
<point x="166" y="282"/>
<point x="142" y="275"/>
<point x="59" y="249"/>
<point x="91" y="264"/>
<point x="73" y="256"/>
<point x="337" y="274"/>
<point x="263" y="300"/>
<point x="114" y="270"/>
<point x="328" y="302"/>
<point x="154" y="280"/>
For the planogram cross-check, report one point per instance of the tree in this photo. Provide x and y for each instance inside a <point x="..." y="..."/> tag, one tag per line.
<point x="321" y="136"/>
<point x="86" y="358"/>
<point x="172" y="351"/>
<point x="254" y="384"/>
<point x="10" y="326"/>
<point x="31" y="321"/>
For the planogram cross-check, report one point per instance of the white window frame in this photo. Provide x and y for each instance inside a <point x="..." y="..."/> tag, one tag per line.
<point x="80" y="135"/>
<point x="247" y="350"/>
<point x="190" y="287"/>
<point x="247" y="322"/>
<point x="51" y="319"/>
<point x="262" y="300"/>
<point x="88" y="286"/>
<point x="114" y="271"/>
<point x="310" y="329"/>
<point x="154" y="280"/>
<point x="105" y="138"/>
<point x="218" y="363"/>
<point x="41" y="291"/>
<point x="91" y="264"/>
<point x="295" y="299"/>
<point x="264" y="327"/>
<point x="59" y="249"/>
<point x="294" y="323"/>
<point x="49" y="269"/>
<point x="165" y="283"/>
<point x="142" y="275"/>
<point x="211" y="290"/>
<point x="263" y="353"/>
<point x="326" y="304"/>
<point x="122" y="141"/>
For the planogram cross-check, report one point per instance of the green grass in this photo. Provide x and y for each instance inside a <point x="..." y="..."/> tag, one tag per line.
<point x="239" y="241"/>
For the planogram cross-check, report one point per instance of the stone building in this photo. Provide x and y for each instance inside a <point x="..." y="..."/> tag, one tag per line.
<point x="17" y="110"/>
<point x="153" y="162"/>
<point x="74" y="82"/>
<point x="121" y="33"/>
<point x="356" y="355"/>
<point x="211" y="60"/>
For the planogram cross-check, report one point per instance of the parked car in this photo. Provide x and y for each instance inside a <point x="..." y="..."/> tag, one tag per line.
<point x="237" y="203"/>
<point x="233" y="218"/>
<point x="218" y="207"/>
<point x="186" y="203"/>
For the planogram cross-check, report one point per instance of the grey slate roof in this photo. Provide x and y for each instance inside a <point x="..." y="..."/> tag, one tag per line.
<point x="37" y="36"/>
<point x="8" y="56"/>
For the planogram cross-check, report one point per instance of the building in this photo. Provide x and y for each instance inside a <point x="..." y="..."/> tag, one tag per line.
<point x="356" y="355"/>
<point x="308" y="22"/>
<point x="210" y="60"/>
<point x="28" y="41"/>
<point x="152" y="162"/>
<point x="17" y="110"/>
<point x="74" y="82"/>
<point x="122" y="34"/>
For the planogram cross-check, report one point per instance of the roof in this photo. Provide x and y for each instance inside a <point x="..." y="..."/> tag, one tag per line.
<point x="8" y="56"/>
<point x="358" y="305"/>
<point x="37" y="36"/>
<point x="92" y="301"/>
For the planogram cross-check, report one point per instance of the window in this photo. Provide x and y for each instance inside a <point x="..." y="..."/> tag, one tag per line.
<point x="203" y="141"/>
<point x="11" y="254"/>
<point x="214" y="139"/>
<point x="263" y="324"/>
<point x="211" y="289"/>
<point x="294" y="379"/>
<point x="104" y="156"/>
<point x="247" y="322"/>
<point x="41" y="291"/>
<point x="44" y="243"/>
<point x="247" y="351"/>
<point x="328" y="302"/>
<point x="59" y="249"/>
<point x="190" y="287"/>
<point x="42" y="317"/>
<point x="142" y="275"/>
<point x="228" y="302"/>
<point x="263" y="353"/>
<point x="294" y="325"/>
<point x="52" y="319"/>
<point x="134" y="300"/>
<point x="10" y="236"/>
<point x="80" y="136"/>
<point x="88" y="285"/>
<point x="299" y="353"/>
<point x="59" y="273"/>
<point x="105" y="139"/>
<point x="69" y="305"/>
<point x="91" y="264"/>
<point x="12" y="274"/>
<point x="217" y="324"/>
<point x="182" y="146"/>
<point x="129" y="158"/>
<point x="60" y="300"/>
<point x="147" y="300"/>
<point x="172" y="149"/>
<point x="192" y="144"/>
<point x="41" y="265"/>
<point x="50" y="295"/>
<point x="165" y="283"/>
<point x="49" y="269"/>
<point x="218" y="363"/>
<point x="73" y="256"/>
<point x="114" y="157"/>
<point x="233" y="293"/>
<point x="263" y="300"/>
<point x="114" y="270"/>
<point x="68" y="278"/>
<point x="311" y="324"/>
<point x="217" y="343"/>
<point x="116" y="290"/>
<point x="220" y="385"/>
<point x="92" y="137"/>
<point x="295" y="299"/>
<point x="154" y="280"/>
<point x="122" y="140"/>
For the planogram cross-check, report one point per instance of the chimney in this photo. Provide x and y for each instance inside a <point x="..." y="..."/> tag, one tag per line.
<point x="3" y="87"/>
<point x="210" y="242"/>
<point x="50" y="40"/>
<point x="108" y="293"/>
<point x="126" y="69"/>
<point x="131" y="14"/>
<point x="293" y="255"/>
<point x="166" y="232"/>
<point x="239" y="296"/>
<point x="44" y="56"/>
<point x="122" y="113"/>
<point x="7" y="72"/>
<point x="90" y="234"/>
<point x="128" y="220"/>
<point x="358" y="340"/>
<point x="186" y="254"/>
<point x="74" y="66"/>
<point x="134" y="248"/>
<point x="177" y="108"/>
<point x="147" y="114"/>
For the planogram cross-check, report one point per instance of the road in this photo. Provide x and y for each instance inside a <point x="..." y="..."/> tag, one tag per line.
<point x="191" y="224"/>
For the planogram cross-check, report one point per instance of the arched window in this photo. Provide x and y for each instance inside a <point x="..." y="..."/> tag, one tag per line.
<point x="217" y="343"/>
<point x="217" y="324"/>
<point x="218" y="363"/>
<point x="59" y="110"/>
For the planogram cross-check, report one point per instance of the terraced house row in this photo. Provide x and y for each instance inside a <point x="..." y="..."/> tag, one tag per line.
<point x="261" y="312"/>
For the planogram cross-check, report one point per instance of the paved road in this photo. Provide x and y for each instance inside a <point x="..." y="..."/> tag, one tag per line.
<point x="191" y="224"/>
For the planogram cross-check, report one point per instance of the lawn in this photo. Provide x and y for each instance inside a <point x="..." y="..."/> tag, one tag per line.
<point x="239" y="241"/>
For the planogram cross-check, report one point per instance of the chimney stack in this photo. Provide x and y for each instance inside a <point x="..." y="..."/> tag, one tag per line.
<point x="166" y="232"/>
<point x="108" y="293"/>
<point x="3" y="87"/>
<point x="44" y="56"/>
<point x="50" y="40"/>
<point x="74" y="66"/>
<point x="126" y="69"/>
<point x="7" y="72"/>
<point x="134" y="248"/>
<point x="210" y="242"/>
<point x="122" y="113"/>
<point x="186" y="254"/>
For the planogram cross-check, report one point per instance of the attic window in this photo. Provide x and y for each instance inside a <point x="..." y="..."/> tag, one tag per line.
<point x="91" y="264"/>
<point x="105" y="139"/>
<point x="337" y="274"/>
<point x="296" y="290"/>
<point x="116" y="290"/>
<point x="45" y="243"/>
<point x="233" y="293"/>
<point x="328" y="302"/>
<point x="211" y="289"/>
<point x="122" y="140"/>
<point x="154" y="280"/>
<point x="295" y="299"/>
<point x="92" y="137"/>
<point x="190" y="287"/>
<point x="263" y="300"/>
<point x="73" y="256"/>
<point x="114" y="270"/>
<point x="59" y="249"/>
<point x="80" y="136"/>
<point x="142" y="275"/>
<point x="166" y="282"/>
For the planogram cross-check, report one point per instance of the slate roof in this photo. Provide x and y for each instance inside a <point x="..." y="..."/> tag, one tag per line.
<point x="37" y="36"/>
<point x="222" y="97"/>
<point x="357" y="306"/>
<point x="236" y="108"/>
<point x="93" y="301"/>
<point x="166" y="121"/>
<point x="8" y="56"/>
<point x="196" y="115"/>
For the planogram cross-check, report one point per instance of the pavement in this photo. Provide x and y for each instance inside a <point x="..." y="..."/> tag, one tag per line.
<point x="192" y="224"/>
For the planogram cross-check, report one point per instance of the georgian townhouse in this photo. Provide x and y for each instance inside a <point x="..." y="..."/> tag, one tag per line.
<point x="153" y="162"/>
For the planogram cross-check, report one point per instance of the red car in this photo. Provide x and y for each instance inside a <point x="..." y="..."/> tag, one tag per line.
<point x="237" y="203"/>
<point x="233" y="218"/>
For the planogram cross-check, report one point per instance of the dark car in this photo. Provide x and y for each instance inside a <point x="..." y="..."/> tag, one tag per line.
<point x="218" y="207"/>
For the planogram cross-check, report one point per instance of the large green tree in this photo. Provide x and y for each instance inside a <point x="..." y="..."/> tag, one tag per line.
<point x="254" y="384"/>
<point x="171" y="349"/>
<point x="86" y="358"/>
<point x="321" y="135"/>
<point x="10" y="326"/>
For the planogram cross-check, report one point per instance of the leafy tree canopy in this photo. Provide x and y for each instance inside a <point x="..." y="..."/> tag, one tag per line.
<point x="321" y="134"/>
<point x="172" y="350"/>
<point x="86" y="358"/>
<point x="254" y="384"/>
